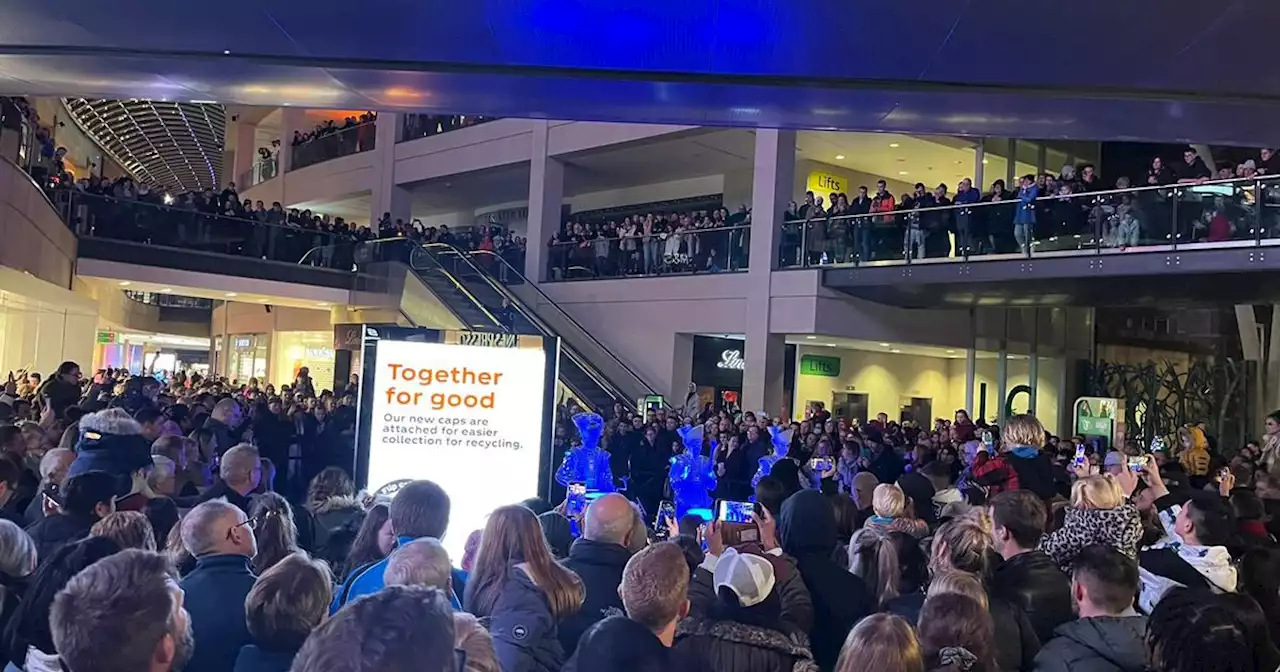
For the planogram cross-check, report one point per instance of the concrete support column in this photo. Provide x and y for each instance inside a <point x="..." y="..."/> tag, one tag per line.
<point x="681" y="370"/>
<point x="1033" y="364"/>
<point x="771" y="185"/>
<point x="244" y="153"/>
<point x="387" y="196"/>
<point x="1002" y="371"/>
<point x="291" y="119"/>
<point x="546" y="201"/>
<point x="979" y="166"/>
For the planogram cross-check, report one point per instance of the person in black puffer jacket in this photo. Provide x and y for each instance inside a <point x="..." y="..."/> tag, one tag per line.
<point x="598" y="558"/>
<point x="745" y="630"/>
<point x="840" y="598"/>
<point x="336" y="513"/>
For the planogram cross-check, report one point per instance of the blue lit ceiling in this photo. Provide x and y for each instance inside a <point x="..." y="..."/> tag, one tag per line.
<point x="177" y="146"/>
<point x="1096" y="69"/>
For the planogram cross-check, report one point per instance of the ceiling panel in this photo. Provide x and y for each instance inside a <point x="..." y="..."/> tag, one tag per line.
<point x="176" y="146"/>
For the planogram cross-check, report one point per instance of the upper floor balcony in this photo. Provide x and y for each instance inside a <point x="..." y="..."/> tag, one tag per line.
<point x="330" y="143"/>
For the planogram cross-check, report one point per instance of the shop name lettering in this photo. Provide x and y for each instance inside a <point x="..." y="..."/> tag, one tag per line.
<point x="731" y="359"/>
<point x="487" y="340"/>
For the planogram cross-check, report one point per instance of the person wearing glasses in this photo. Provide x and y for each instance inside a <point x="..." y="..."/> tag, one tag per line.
<point x="221" y="538"/>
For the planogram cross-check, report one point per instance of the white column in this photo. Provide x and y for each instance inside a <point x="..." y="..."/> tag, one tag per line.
<point x="387" y="196"/>
<point x="771" y="185"/>
<point x="245" y="154"/>
<point x="979" y="168"/>
<point x="291" y="119"/>
<point x="1002" y="370"/>
<point x="1033" y="363"/>
<point x="546" y="200"/>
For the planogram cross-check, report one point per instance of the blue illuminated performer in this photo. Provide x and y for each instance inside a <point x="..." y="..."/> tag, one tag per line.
<point x="781" y="442"/>
<point x="587" y="463"/>
<point x="693" y="475"/>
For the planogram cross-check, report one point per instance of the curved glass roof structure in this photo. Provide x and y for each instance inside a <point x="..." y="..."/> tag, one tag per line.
<point x="174" y="146"/>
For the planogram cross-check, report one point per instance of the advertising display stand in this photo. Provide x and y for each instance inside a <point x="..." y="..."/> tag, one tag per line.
<point x="471" y="411"/>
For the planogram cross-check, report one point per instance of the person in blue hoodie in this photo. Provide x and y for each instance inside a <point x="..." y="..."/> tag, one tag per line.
<point x="1024" y="220"/>
<point x="420" y="509"/>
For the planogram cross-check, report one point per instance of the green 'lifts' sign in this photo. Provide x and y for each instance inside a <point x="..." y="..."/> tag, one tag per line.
<point x="817" y="365"/>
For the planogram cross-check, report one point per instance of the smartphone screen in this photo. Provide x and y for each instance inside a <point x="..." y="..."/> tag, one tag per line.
<point x="665" y="510"/>
<point x="1080" y="458"/>
<point x="1137" y="463"/>
<point x="576" y="502"/>
<point x="735" y="512"/>
<point x="820" y="463"/>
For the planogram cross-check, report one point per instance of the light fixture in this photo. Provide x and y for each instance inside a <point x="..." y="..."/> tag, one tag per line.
<point x="323" y="304"/>
<point x="262" y="300"/>
<point x="230" y="294"/>
<point x="902" y="172"/>
<point x="226" y="52"/>
<point x="125" y="283"/>
<point x="839" y="157"/>
<point x="896" y="351"/>
<point x="884" y="345"/>
<point x="894" y="145"/>
<point x="985" y="162"/>
<point x="951" y="352"/>
<point x="811" y="337"/>
<point x="166" y="290"/>
<point x="830" y="345"/>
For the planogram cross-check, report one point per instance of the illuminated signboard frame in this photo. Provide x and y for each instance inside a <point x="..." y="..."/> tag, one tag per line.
<point x="373" y="334"/>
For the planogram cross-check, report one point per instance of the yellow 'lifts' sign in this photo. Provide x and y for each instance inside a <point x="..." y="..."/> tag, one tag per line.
<point x="825" y="184"/>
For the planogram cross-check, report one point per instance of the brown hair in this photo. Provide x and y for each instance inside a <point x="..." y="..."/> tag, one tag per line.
<point x="274" y="528"/>
<point x="512" y="541"/>
<point x="396" y="628"/>
<point x="951" y="620"/>
<point x="955" y="582"/>
<point x="329" y="483"/>
<point x="471" y="637"/>
<point x="1022" y="513"/>
<point x="655" y="585"/>
<point x="881" y="643"/>
<point x="288" y="601"/>
<point x="114" y="614"/>
<point x="130" y="529"/>
<point x="964" y="544"/>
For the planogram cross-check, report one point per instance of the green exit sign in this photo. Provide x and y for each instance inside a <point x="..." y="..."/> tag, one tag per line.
<point x="818" y="365"/>
<point x="106" y="337"/>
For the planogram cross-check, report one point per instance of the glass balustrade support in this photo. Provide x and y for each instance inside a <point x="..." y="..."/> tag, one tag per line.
<point x="262" y="170"/>
<point x="416" y="126"/>
<point x="338" y="143"/>
<point x="1208" y="213"/>
<point x="696" y="251"/>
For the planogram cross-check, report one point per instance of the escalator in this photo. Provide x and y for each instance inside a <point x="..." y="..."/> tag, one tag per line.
<point x="467" y="292"/>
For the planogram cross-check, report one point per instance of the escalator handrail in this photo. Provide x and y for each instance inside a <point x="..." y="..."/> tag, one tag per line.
<point x="569" y="318"/>
<point x="604" y="383"/>
<point x="466" y="292"/>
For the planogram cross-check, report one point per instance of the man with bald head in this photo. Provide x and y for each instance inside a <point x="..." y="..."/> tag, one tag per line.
<point x="221" y="538"/>
<point x="599" y="557"/>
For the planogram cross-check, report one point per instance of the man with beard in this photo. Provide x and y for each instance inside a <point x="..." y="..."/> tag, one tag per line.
<point x="123" y="613"/>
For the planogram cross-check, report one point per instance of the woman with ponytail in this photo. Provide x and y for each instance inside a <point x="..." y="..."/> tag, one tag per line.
<point x="894" y="569"/>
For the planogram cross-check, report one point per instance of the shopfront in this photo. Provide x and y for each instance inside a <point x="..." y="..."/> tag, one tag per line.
<point x="247" y="357"/>
<point x="292" y="350"/>
<point x="718" y="366"/>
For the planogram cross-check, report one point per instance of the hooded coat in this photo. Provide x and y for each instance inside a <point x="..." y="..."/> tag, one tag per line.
<point x="1100" y="644"/>
<point x="807" y="525"/>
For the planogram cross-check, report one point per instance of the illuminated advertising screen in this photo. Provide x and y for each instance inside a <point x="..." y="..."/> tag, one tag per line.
<point x="470" y="411"/>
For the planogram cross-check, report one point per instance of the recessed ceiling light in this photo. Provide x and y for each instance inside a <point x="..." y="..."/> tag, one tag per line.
<point x="125" y="283"/>
<point x="323" y="304"/>
<point x="902" y="172"/>
<point x="985" y="162"/>
<point x="166" y="290"/>
<point x="839" y="157"/>
<point x="893" y="144"/>
<point x="895" y="351"/>
<point x="262" y="300"/>
<point x="884" y="345"/>
<point x="951" y="352"/>
<point x="232" y="294"/>
<point x="226" y="52"/>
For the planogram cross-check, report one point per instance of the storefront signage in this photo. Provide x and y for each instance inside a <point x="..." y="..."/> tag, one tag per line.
<point x="818" y="365"/>
<point x="1100" y="416"/>
<point x="731" y="359"/>
<point x="245" y="342"/>
<point x="107" y="337"/>
<point x="824" y="184"/>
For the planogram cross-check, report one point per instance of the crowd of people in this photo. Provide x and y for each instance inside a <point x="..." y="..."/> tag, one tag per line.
<point x="1048" y="211"/>
<point x="329" y="139"/>
<point x="207" y="525"/>
<point x="414" y="126"/>
<point x="650" y="244"/>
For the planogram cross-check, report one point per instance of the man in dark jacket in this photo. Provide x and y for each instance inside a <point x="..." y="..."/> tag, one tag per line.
<point x="649" y="469"/>
<point x="221" y="538"/>
<point x="1109" y="635"/>
<point x="840" y="599"/>
<point x="222" y="424"/>
<point x="85" y="499"/>
<point x="598" y="558"/>
<point x="1028" y="578"/>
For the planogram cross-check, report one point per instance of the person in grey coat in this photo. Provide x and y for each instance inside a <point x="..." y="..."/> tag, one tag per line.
<point x="1109" y="635"/>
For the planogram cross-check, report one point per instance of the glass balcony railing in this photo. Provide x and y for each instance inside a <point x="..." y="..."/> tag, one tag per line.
<point x="133" y="221"/>
<point x="343" y="142"/>
<point x="262" y="170"/>
<point x="686" y="252"/>
<point x="414" y="126"/>
<point x="1211" y="213"/>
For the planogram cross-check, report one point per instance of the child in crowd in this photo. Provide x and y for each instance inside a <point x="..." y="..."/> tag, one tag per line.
<point x="891" y="513"/>
<point x="1099" y="514"/>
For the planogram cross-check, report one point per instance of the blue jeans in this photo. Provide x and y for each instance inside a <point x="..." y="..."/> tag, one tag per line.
<point x="1022" y="234"/>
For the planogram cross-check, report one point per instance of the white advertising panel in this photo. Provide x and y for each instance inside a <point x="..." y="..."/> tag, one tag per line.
<point x="468" y="417"/>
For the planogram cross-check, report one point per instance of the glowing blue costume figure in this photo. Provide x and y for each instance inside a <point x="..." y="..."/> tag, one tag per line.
<point x="781" y="442"/>
<point x="692" y="475"/>
<point x="587" y="463"/>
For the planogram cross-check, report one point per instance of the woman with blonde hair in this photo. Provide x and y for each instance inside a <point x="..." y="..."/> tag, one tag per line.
<point x="471" y="637"/>
<point x="522" y="590"/>
<point x="881" y="643"/>
<point x="1022" y="464"/>
<point x="1100" y="513"/>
